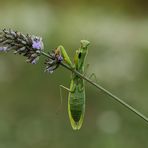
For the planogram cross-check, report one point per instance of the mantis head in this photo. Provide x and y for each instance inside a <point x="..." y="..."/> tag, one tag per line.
<point x="84" y="44"/>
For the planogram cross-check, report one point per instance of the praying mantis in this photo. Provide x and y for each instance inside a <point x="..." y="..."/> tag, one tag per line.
<point x="76" y="97"/>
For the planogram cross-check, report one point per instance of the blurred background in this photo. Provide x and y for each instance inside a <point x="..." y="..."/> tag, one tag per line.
<point x="29" y="98"/>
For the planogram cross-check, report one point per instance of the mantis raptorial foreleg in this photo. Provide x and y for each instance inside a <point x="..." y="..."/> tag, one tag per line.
<point x="65" y="56"/>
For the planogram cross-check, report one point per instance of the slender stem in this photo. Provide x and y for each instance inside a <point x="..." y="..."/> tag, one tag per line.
<point x="103" y="90"/>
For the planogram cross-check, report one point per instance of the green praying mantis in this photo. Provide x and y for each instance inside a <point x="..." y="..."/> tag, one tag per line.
<point x="76" y="97"/>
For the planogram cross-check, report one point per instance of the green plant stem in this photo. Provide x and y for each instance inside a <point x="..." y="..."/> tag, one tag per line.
<point x="103" y="90"/>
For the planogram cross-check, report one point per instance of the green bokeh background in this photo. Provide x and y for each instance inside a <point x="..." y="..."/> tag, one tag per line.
<point x="29" y="98"/>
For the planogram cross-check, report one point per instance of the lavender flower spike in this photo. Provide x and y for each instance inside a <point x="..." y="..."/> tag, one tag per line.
<point x="29" y="46"/>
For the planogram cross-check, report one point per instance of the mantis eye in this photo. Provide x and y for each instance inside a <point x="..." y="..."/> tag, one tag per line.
<point x="80" y="54"/>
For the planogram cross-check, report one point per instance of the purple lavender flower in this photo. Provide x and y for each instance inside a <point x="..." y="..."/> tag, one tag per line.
<point x="60" y="58"/>
<point x="37" y="43"/>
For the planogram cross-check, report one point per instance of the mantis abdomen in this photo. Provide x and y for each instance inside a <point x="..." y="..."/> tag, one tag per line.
<point x="76" y="104"/>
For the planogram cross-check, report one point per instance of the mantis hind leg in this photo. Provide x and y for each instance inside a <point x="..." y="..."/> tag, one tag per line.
<point x="61" y="98"/>
<point x="95" y="77"/>
<point x="91" y="75"/>
<point x="65" y="88"/>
